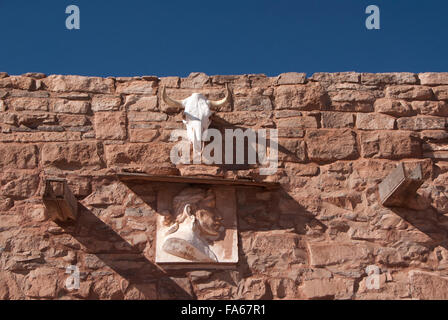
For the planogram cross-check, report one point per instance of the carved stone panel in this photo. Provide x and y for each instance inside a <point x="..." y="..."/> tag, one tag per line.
<point x="197" y="226"/>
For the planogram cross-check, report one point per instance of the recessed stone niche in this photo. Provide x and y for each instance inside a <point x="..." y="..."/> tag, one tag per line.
<point x="196" y="220"/>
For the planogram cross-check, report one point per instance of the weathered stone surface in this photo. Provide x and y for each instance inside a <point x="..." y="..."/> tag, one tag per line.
<point x="432" y="108"/>
<point x="110" y="125"/>
<point x="141" y="103"/>
<point x="137" y="87"/>
<point x="78" y="83"/>
<point x="143" y="135"/>
<point x="351" y="77"/>
<point x="28" y="104"/>
<point x="297" y="122"/>
<point x="334" y="288"/>
<point x="337" y="120"/>
<point x="139" y="154"/>
<point x="40" y="137"/>
<point x="352" y="96"/>
<point x="71" y="156"/>
<point x="421" y="123"/>
<point x="70" y="106"/>
<point x="389" y="78"/>
<point x="291" y="78"/>
<point x="310" y="238"/>
<point x="397" y="108"/>
<point x="18" y="157"/>
<point x="302" y="97"/>
<point x="339" y="253"/>
<point x="428" y="286"/>
<point x="432" y="78"/>
<point x="195" y="80"/>
<point x="441" y="92"/>
<point x="18" y="184"/>
<point x="329" y="145"/>
<point x="146" y="116"/>
<point x="106" y="103"/>
<point x="41" y="283"/>
<point x="374" y="121"/>
<point x="409" y="92"/>
<point x="252" y="102"/>
<point x="16" y="82"/>
<point x="389" y="145"/>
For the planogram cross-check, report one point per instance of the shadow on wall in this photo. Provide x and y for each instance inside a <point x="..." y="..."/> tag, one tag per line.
<point x="126" y="260"/>
<point x="275" y="224"/>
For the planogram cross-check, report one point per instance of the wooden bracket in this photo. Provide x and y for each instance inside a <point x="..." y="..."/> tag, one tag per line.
<point x="399" y="185"/>
<point x="59" y="200"/>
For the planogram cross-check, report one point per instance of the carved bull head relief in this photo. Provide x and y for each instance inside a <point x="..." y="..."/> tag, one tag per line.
<point x="197" y="112"/>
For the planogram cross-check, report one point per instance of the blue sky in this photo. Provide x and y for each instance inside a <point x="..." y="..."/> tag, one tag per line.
<point x="170" y="37"/>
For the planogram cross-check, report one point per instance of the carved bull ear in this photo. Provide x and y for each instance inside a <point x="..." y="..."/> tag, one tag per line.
<point x="170" y="101"/>
<point x="215" y="104"/>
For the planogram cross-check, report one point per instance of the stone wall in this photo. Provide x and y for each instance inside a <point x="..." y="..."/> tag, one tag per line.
<point x="340" y="134"/>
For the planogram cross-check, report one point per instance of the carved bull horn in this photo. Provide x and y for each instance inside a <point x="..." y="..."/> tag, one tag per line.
<point x="170" y="101"/>
<point x="215" y="104"/>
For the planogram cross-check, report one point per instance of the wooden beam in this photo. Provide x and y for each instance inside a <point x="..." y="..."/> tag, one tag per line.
<point x="142" y="177"/>
<point x="399" y="185"/>
<point x="60" y="202"/>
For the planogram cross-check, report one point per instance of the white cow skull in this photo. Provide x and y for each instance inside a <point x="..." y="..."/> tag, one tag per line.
<point x="197" y="113"/>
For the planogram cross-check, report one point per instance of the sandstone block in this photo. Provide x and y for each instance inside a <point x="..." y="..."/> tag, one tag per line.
<point x="147" y="117"/>
<point x="252" y="103"/>
<point x="334" y="288"/>
<point x="110" y="125"/>
<point x="421" y="123"/>
<point x="352" y="96"/>
<point x="374" y="121"/>
<point x="302" y="97"/>
<point x="105" y="103"/>
<point x="337" y="120"/>
<point x="71" y="156"/>
<point x="390" y="145"/>
<point x="297" y="122"/>
<point x="18" y="156"/>
<point x="351" y="77"/>
<point x="137" y="87"/>
<point x="291" y="150"/>
<point x="331" y="145"/>
<point x="17" y="82"/>
<point x="291" y="78"/>
<point x="433" y="78"/>
<point x="40" y="136"/>
<point x="70" y="106"/>
<point x="409" y="92"/>
<point x="141" y="103"/>
<point x="143" y="135"/>
<point x="28" y="104"/>
<point x="195" y="80"/>
<point x="432" y="108"/>
<point x="441" y="92"/>
<point x="327" y="254"/>
<point x="393" y="107"/>
<point x="60" y="83"/>
<point x="428" y="286"/>
<point x="18" y="184"/>
<point x="137" y="154"/>
<point x="389" y="78"/>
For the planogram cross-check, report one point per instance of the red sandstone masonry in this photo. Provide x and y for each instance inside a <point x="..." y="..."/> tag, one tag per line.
<point x="340" y="134"/>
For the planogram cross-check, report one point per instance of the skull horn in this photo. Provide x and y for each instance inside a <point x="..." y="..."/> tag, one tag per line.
<point x="170" y="101"/>
<point x="215" y="104"/>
